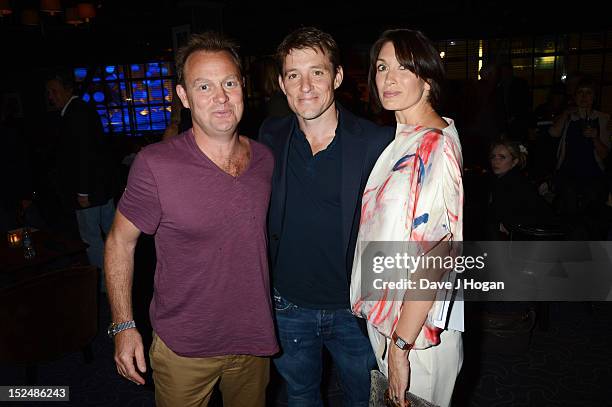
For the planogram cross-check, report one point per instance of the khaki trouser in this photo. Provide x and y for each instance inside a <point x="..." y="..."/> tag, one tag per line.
<point x="189" y="382"/>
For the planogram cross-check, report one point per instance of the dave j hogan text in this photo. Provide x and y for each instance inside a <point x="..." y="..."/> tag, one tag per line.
<point x="425" y="284"/>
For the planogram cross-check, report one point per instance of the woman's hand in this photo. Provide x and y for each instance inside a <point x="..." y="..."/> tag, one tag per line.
<point x="559" y="122"/>
<point x="589" y="132"/>
<point x="566" y="114"/>
<point x="399" y="375"/>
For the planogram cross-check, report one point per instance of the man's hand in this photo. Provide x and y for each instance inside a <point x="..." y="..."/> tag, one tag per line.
<point x="399" y="375"/>
<point x="83" y="201"/>
<point x="128" y="346"/>
<point x="119" y="271"/>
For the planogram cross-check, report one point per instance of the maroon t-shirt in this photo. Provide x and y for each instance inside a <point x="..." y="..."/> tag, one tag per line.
<point x="212" y="292"/>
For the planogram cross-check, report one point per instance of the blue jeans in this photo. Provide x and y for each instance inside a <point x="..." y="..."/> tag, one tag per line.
<point x="303" y="333"/>
<point x="92" y="222"/>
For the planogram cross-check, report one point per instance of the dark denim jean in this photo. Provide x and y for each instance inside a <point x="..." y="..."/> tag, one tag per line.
<point x="303" y="333"/>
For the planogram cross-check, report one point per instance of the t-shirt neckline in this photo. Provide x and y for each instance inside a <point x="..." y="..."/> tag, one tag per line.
<point x="194" y="146"/>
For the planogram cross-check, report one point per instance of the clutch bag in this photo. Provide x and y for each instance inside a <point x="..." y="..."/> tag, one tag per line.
<point x="378" y="388"/>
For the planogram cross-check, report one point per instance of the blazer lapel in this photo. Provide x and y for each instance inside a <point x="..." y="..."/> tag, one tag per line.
<point x="282" y="182"/>
<point x="353" y="155"/>
<point x="281" y="185"/>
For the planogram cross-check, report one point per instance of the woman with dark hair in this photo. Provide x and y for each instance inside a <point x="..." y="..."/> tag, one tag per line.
<point x="413" y="195"/>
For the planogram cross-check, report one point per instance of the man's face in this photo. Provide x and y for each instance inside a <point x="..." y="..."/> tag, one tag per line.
<point x="213" y="92"/>
<point x="57" y="94"/>
<point x="309" y="80"/>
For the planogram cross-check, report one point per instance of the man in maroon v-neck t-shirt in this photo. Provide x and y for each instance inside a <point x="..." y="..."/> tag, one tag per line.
<point x="204" y="195"/>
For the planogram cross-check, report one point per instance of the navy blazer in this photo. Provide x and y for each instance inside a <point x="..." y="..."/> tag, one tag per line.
<point x="83" y="156"/>
<point x="362" y="143"/>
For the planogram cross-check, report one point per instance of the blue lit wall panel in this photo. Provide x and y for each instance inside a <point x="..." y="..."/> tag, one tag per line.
<point x="127" y="102"/>
<point x="155" y="91"/>
<point x="110" y="72"/>
<point x="98" y="74"/>
<point x="98" y="97"/>
<point x="95" y="88"/>
<point x="166" y="69"/>
<point x="125" y="95"/>
<point x="158" y="120"/>
<point x="104" y="119"/>
<point x="116" y="120"/>
<point x="137" y="71"/>
<point x="142" y="118"/>
<point x="80" y="74"/>
<point x="113" y="94"/>
<point x="168" y="91"/>
<point x="139" y="93"/>
<point x="153" y="70"/>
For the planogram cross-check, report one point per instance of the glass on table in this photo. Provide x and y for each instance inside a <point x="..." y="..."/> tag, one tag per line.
<point x="14" y="238"/>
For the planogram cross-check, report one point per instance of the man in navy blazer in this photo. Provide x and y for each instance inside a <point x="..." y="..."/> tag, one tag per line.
<point x="85" y="178"/>
<point x="323" y="157"/>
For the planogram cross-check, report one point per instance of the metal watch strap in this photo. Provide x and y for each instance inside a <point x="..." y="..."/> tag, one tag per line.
<point x="121" y="326"/>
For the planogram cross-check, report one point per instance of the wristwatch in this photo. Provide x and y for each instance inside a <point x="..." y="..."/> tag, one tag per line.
<point x="400" y="343"/>
<point x="115" y="327"/>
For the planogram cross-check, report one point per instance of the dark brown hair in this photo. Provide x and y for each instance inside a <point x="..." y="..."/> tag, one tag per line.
<point x="266" y="72"/>
<point x="415" y="52"/>
<point x="587" y="81"/>
<point x="209" y="41"/>
<point x="312" y="38"/>
<point x="64" y="76"/>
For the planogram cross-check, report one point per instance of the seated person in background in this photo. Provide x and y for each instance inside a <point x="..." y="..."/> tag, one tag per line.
<point x="513" y="199"/>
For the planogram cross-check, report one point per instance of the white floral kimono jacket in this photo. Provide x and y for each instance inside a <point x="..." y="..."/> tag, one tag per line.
<point x="414" y="194"/>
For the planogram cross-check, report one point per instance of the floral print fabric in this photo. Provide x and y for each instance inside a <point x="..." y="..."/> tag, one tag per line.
<point x="414" y="194"/>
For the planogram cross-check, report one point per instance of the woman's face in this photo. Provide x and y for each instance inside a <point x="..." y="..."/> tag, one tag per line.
<point x="501" y="160"/>
<point x="398" y="88"/>
<point x="584" y="98"/>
